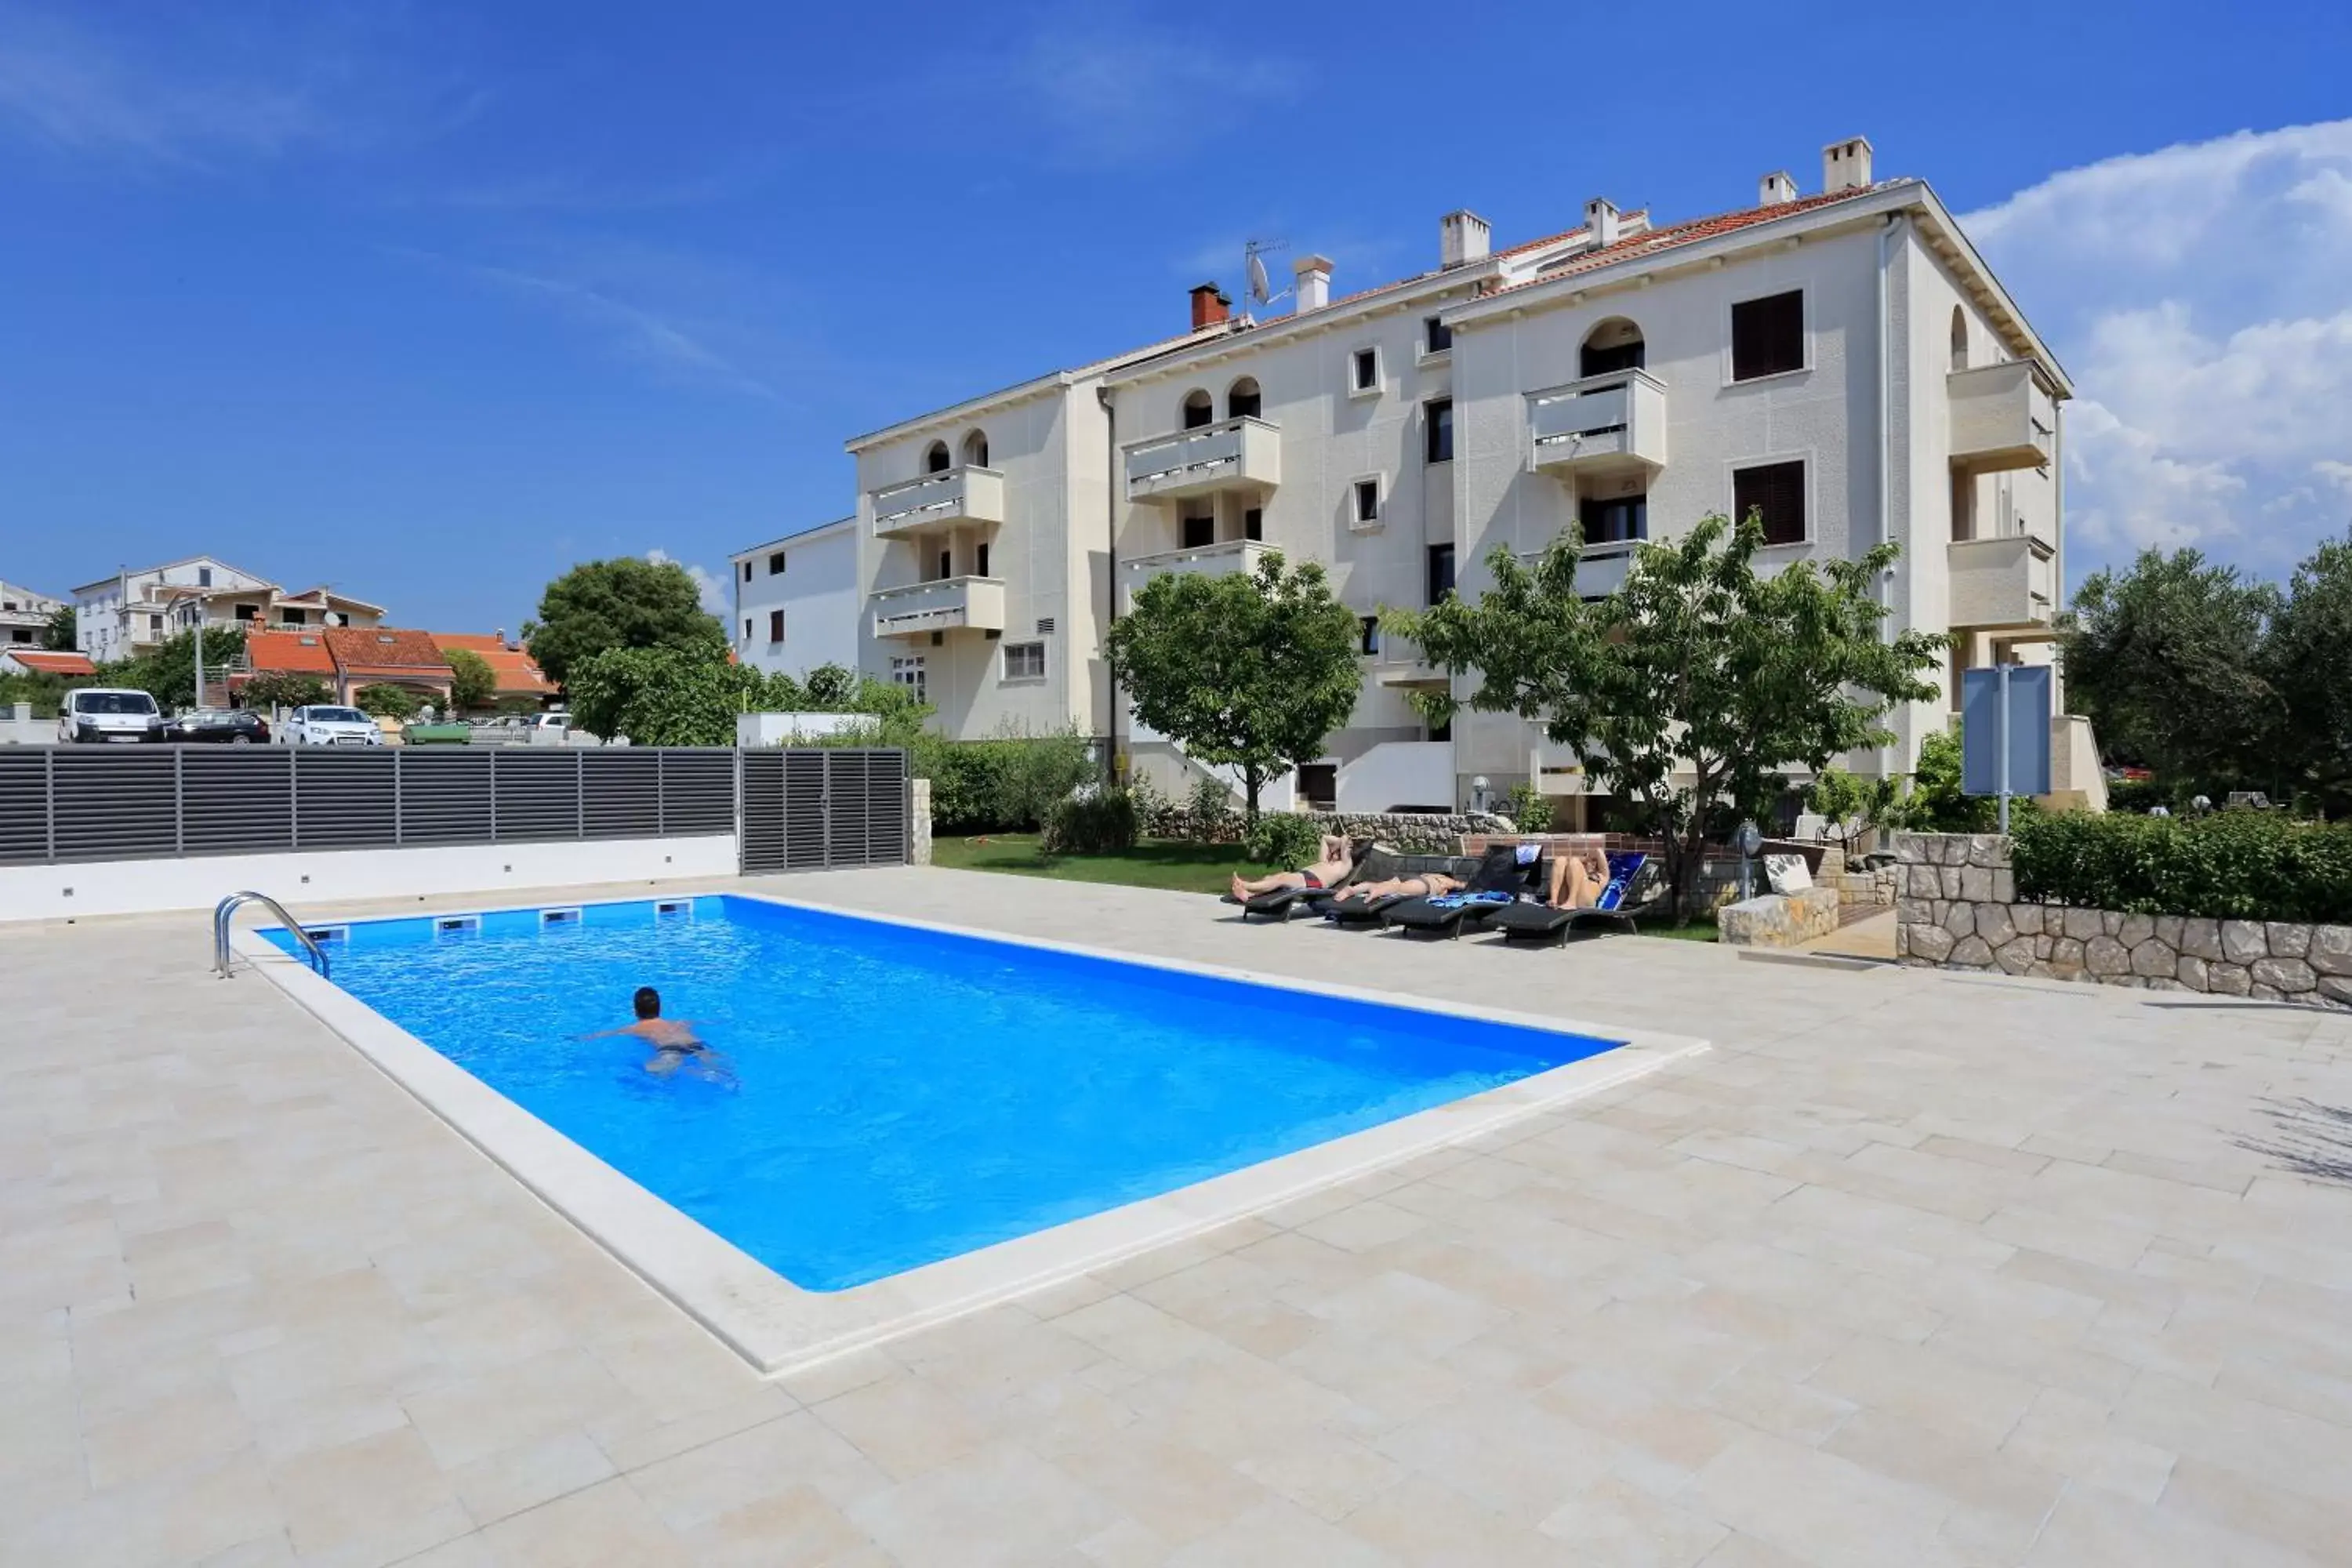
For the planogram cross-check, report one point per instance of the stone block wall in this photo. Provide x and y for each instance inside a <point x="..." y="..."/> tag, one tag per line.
<point x="1957" y="909"/>
<point x="1779" y="920"/>
<point x="918" y="822"/>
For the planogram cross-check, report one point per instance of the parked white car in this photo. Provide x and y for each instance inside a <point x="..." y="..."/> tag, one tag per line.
<point x="94" y="715"/>
<point x="332" y="727"/>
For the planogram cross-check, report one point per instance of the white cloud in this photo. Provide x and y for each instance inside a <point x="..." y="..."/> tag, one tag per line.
<point x="709" y="584"/>
<point x="2199" y="297"/>
<point x="1115" y="89"/>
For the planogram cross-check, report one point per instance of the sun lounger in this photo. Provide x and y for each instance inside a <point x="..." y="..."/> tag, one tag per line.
<point x="1282" y="903"/>
<point x="1548" y="923"/>
<point x="1445" y="914"/>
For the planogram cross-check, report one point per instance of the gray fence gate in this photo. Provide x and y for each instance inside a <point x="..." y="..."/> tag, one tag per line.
<point x="806" y="809"/>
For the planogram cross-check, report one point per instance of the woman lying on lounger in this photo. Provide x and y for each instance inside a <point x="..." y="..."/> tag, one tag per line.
<point x="1333" y="860"/>
<point x="1579" y="877"/>
<point x="1427" y="884"/>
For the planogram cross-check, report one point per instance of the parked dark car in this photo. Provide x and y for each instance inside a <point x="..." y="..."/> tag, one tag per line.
<point x="221" y="727"/>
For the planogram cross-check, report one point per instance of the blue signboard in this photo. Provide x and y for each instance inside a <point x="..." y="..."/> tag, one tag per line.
<point x="2005" y="729"/>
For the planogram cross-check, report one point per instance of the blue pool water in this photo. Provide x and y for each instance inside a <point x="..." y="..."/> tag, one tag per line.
<point x="901" y="1096"/>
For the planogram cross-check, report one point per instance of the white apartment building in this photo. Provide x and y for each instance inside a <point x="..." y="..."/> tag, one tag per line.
<point x="24" y="615"/>
<point x="797" y="598"/>
<point x="125" y="615"/>
<point x="1842" y="361"/>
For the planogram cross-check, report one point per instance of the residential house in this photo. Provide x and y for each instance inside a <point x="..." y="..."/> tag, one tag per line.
<point x="519" y="682"/>
<point x="284" y="653"/>
<point x="129" y="612"/>
<point x="1842" y="362"/>
<point x="25" y="617"/>
<point x="797" y="600"/>
<point x="383" y="656"/>
<point x="18" y="659"/>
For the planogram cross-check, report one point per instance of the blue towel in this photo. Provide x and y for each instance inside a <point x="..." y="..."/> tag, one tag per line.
<point x="1466" y="900"/>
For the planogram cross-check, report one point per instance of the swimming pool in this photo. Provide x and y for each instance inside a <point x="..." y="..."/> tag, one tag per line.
<point x="904" y="1095"/>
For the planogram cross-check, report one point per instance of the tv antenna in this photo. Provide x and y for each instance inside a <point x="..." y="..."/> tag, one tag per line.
<point x="1261" y="287"/>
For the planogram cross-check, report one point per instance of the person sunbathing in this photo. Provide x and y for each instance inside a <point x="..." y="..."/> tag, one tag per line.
<point x="1334" y="859"/>
<point x="1425" y="884"/>
<point x="1579" y="877"/>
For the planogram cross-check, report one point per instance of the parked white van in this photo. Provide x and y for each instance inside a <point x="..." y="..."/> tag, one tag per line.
<point x="95" y="715"/>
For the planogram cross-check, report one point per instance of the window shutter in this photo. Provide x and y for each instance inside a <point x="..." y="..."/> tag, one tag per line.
<point x="1776" y="491"/>
<point x="1768" y="335"/>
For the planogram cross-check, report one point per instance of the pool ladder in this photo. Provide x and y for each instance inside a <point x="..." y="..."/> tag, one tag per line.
<point x="235" y="902"/>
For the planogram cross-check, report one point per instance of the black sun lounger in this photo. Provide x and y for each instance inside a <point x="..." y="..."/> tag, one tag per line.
<point x="1548" y="923"/>
<point x="1281" y="903"/>
<point x="1445" y="915"/>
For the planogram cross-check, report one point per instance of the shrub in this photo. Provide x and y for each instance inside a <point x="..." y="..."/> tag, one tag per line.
<point x="1011" y="784"/>
<point x="1529" y="809"/>
<point x="2238" y="865"/>
<point x="2134" y="796"/>
<point x="1283" y="839"/>
<point x="387" y="701"/>
<point x="1211" y="806"/>
<point x="1092" y="822"/>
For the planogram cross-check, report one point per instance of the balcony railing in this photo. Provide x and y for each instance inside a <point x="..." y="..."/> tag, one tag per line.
<point x="944" y="499"/>
<point x="948" y="605"/>
<point x="2002" y="417"/>
<point x="1240" y="454"/>
<point x="1603" y="424"/>
<point x="2008" y="583"/>
<point x="1203" y="560"/>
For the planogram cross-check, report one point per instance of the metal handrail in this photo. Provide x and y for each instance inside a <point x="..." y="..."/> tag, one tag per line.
<point x="228" y="908"/>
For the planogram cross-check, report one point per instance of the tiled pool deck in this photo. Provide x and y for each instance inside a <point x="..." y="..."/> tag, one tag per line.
<point x="1911" y="1269"/>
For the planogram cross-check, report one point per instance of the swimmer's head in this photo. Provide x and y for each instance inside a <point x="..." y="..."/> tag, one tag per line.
<point x="647" y="1002"/>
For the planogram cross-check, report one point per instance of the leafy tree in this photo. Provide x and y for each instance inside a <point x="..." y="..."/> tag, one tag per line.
<point x="1853" y="803"/>
<point x="1247" y="670"/>
<point x="624" y="603"/>
<point x="284" y="689"/>
<point x="60" y="633"/>
<point x="2308" y="662"/>
<point x="168" y="672"/>
<point x="660" y="696"/>
<point x="830" y="688"/>
<point x="473" y="684"/>
<point x="383" y="701"/>
<point x="1690" y="688"/>
<point x="2166" y="662"/>
<point x="1935" y="803"/>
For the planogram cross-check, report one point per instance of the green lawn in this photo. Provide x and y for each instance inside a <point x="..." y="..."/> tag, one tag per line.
<point x="1174" y="864"/>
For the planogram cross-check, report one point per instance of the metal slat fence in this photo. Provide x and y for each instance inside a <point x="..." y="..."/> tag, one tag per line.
<point x="65" y="804"/>
<point x="823" y="807"/>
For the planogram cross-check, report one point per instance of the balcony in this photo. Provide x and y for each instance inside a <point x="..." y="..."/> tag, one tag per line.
<point x="1613" y="424"/>
<point x="975" y="603"/>
<point x="1243" y="454"/>
<point x="1601" y="571"/>
<point x="948" y="499"/>
<point x="1399" y="665"/>
<point x="2006" y="583"/>
<point x="2002" y="417"/>
<point x="1203" y="560"/>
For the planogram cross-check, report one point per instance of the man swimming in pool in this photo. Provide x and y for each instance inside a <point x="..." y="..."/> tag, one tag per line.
<point x="673" y="1040"/>
<point x="1333" y="860"/>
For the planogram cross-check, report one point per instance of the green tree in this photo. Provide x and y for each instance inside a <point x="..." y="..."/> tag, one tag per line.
<point x="168" y="672"/>
<point x="1935" y="803"/>
<point x="1853" y="803"/>
<point x="385" y="700"/>
<point x="60" y="633"/>
<point x="830" y="688"/>
<point x="1247" y="670"/>
<point x="661" y="696"/>
<point x="624" y="603"/>
<point x="2167" y="661"/>
<point x="284" y="689"/>
<point x="473" y="684"/>
<point x="2307" y="660"/>
<point x="1693" y="686"/>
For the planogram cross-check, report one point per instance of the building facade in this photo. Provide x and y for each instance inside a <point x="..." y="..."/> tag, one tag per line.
<point x="127" y="613"/>
<point x="25" y="617"/>
<point x="1843" y="362"/>
<point x="797" y="600"/>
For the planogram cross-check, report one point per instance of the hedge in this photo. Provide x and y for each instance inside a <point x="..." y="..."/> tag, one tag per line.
<point x="2238" y="865"/>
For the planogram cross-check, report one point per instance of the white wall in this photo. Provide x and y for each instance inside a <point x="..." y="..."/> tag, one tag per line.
<point x="818" y="593"/>
<point x="142" y="886"/>
<point x="1397" y="773"/>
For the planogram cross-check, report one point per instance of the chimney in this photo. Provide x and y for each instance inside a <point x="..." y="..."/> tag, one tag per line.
<point x="1314" y="281"/>
<point x="1462" y="236"/>
<point x="1210" y="306"/>
<point x="1776" y="189"/>
<point x="1845" y="165"/>
<point x="1599" y="224"/>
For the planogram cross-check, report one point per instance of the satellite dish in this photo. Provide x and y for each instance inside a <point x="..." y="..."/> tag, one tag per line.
<point x="1261" y="287"/>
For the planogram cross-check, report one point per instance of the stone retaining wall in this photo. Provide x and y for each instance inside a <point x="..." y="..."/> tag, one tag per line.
<point x="1957" y="909"/>
<point x="1779" y="920"/>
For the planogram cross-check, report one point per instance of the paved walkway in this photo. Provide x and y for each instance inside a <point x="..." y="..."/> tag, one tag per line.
<point x="1913" y="1269"/>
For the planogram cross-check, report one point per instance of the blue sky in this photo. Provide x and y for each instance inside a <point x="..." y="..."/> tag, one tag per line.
<point x="430" y="301"/>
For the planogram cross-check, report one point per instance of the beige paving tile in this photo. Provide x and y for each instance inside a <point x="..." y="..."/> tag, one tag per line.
<point x="375" y="1501"/>
<point x="1328" y="1475"/>
<point x="1616" y="1522"/>
<point x="507" y="1406"/>
<point x="514" y="1480"/>
<point x="1277" y="1535"/>
<point x="201" y="1425"/>
<point x="797" y="1527"/>
<point x="691" y="1489"/>
<point x="903" y="1424"/>
<point x="1000" y="1506"/>
<point x="607" y="1524"/>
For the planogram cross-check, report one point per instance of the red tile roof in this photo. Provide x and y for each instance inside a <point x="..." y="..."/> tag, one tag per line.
<point x="386" y="652"/>
<point x="42" y="661"/>
<point x="518" y="675"/>
<point x="302" y="652"/>
<point x="1672" y="235"/>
